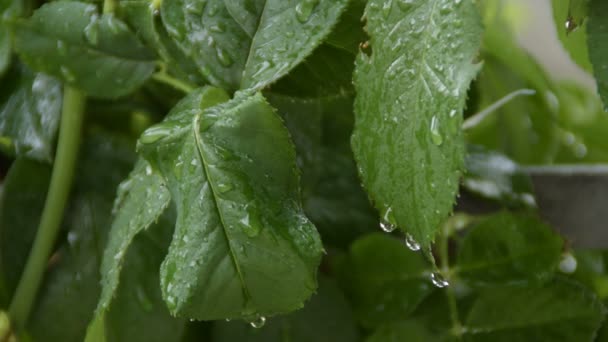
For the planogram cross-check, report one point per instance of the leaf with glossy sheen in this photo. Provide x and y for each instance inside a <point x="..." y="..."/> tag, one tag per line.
<point x="493" y="175"/>
<point x="383" y="279"/>
<point x="509" y="248"/>
<point x="29" y="112"/>
<point x="411" y="92"/>
<point x="249" y="43"/>
<point x="141" y="199"/>
<point x="327" y="317"/>
<point x="560" y="310"/>
<point x="598" y="49"/>
<point x="243" y="246"/>
<point x="23" y="195"/>
<point x="97" y="54"/>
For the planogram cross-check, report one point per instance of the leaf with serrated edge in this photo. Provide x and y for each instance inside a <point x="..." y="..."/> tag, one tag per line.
<point x="97" y="54"/>
<point x="411" y="92"/>
<point x="597" y="36"/>
<point x="249" y="44"/>
<point x="242" y="246"/>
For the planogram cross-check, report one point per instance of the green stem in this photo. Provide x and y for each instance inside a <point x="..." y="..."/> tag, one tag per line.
<point x="174" y="82"/>
<point x="61" y="181"/>
<point x="446" y="272"/>
<point x="109" y="6"/>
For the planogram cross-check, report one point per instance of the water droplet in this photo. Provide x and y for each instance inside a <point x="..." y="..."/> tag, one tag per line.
<point x="250" y="223"/>
<point x="457" y="2"/>
<point x="114" y="25"/>
<point x="223" y="57"/>
<point x="386" y="8"/>
<point x="195" y="7"/>
<point x="62" y="48"/>
<point x="67" y="74"/>
<point x="219" y="28"/>
<point x="148" y="170"/>
<point x="388" y="222"/>
<point x="438" y="280"/>
<point x="387" y="227"/>
<point x="258" y="322"/>
<point x="157" y="132"/>
<point x="224" y="187"/>
<point x="568" y="263"/>
<point x="436" y="136"/>
<point x="580" y="150"/>
<point x="411" y="243"/>
<point x="91" y="32"/>
<point x="405" y="5"/>
<point x="304" y="9"/>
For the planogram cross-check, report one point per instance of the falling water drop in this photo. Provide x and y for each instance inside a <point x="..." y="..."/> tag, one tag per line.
<point x="436" y="136"/>
<point x="258" y="322"/>
<point x="304" y="9"/>
<point x="568" y="263"/>
<point x="438" y="280"/>
<point x="411" y="243"/>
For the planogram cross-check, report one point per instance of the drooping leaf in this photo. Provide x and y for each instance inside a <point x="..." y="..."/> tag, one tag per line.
<point x="411" y="92"/>
<point x="508" y="248"/>
<point x="384" y="280"/>
<point x="249" y="44"/>
<point x="598" y="50"/>
<point x="141" y="199"/>
<point x="326" y="318"/>
<point x="30" y="106"/>
<point x="333" y="197"/>
<point x="242" y="247"/>
<point x="493" y="175"/>
<point x="23" y="197"/>
<point x="97" y="54"/>
<point x="560" y="310"/>
<point x="71" y="285"/>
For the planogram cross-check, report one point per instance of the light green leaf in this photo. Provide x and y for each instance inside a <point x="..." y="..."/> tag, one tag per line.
<point x="598" y="49"/>
<point x="326" y="318"/>
<point x="570" y="16"/>
<point x="249" y="44"/>
<point x="411" y="92"/>
<point x="97" y="54"/>
<point x="557" y="311"/>
<point x="507" y="248"/>
<point x="142" y="198"/>
<point x="242" y="247"/>
<point x="29" y="113"/>
<point x="384" y="279"/>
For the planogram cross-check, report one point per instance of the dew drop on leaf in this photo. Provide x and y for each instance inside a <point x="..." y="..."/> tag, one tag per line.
<point x="258" y="322"/>
<point x="304" y="9"/>
<point x="224" y="57"/>
<point x="438" y="280"/>
<point x="568" y="263"/>
<point x="387" y="226"/>
<point x="411" y="243"/>
<point x="405" y="5"/>
<point x="62" y="48"/>
<point x="91" y="31"/>
<point x="224" y="187"/>
<point x="436" y="136"/>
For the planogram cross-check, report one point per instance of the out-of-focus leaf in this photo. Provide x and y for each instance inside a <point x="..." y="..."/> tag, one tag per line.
<point x="243" y="247"/>
<point x="30" y="107"/>
<point x="333" y="197"/>
<point x="326" y="318"/>
<point x="249" y="44"/>
<point x="408" y="330"/>
<point x="560" y="310"/>
<point x="97" y="54"/>
<point x="570" y="22"/>
<point x="411" y="92"/>
<point x="8" y="9"/>
<point x="23" y="197"/>
<point x="495" y="176"/>
<point x="383" y="279"/>
<point x="598" y="49"/>
<point x="506" y="248"/>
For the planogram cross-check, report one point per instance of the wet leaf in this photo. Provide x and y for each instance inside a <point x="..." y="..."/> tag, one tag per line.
<point x="97" y="54"/>
<point x="508" y="248"/>
<point x="384" y="280"/>
<point x="30" y="106"/>
<point x="242" y="247"/>
<point x="598" y="50"/>
<point x="411" y="92"/>
<point x="249" y="44"/>
<point x="560" y="310"/>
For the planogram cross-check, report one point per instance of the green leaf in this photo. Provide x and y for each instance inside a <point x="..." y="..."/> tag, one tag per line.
<point x="507" y="248"/>
<point x="409" y="330"/>
<point x="557" y="311"/>
<point x="384" y="280"/>
<point x="23" y="196"/>
<point x="411" y="92"/>
<point x="242" y="247"/>
<point x="249" y="44"/>
<point x="97" y="54"/>
<point x="142" y="198"/>
<point x="71" y="285"/>
<point x="495" y="176"/>
<point x="29" y="113"/>
<point x="598" y="50"/>
<point x="8" y="9"/>
<point x="569" y="16"/>
<point x="326" y="318"/>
